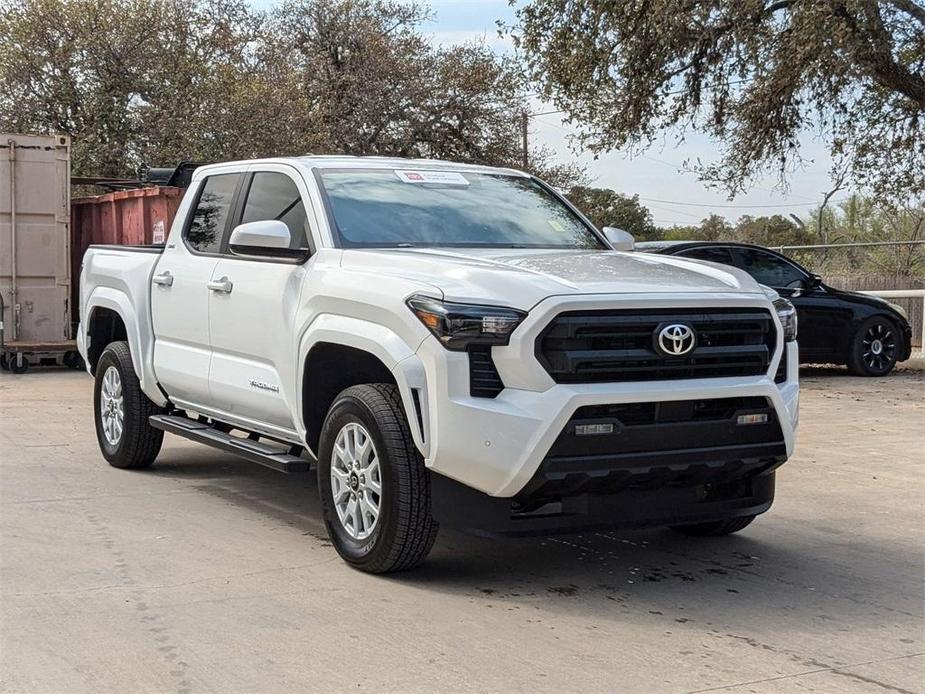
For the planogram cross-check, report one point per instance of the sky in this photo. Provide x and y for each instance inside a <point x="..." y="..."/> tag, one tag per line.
<point x="656" y="175"/>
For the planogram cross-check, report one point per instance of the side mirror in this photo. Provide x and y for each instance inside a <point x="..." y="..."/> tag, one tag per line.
<point x="260" y="237"/>
<point x="814" y="281"/>
<point x="619" y="240"/>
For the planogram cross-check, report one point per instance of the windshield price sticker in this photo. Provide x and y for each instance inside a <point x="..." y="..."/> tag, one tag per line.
<point x="444" y="177"/>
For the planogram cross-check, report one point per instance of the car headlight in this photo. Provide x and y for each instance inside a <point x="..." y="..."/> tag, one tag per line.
<point x="787" y="315"/>
<point x="459" y="325"/>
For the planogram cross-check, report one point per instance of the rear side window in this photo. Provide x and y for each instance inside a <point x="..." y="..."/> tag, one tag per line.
<point x="769" y="269"/>
<point x="206" y="228"/>
<point x="275" y="196"/>
<point x="712" y="253"/>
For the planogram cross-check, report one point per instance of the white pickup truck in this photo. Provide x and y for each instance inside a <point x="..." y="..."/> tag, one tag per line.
<point x="448" y="344"/>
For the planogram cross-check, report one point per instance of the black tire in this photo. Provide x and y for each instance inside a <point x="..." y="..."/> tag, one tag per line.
<point x="718" y="528"/>
<point x="405" y="530"/>
<point x="4" y="364"/>
<point x="72" y="360"/>
<point x="139" y="442"/>
<point x="17" y="367"/>
<point x="875" y="333"/>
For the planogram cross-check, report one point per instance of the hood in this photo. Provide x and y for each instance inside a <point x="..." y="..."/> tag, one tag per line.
<point x="522" y="278"/>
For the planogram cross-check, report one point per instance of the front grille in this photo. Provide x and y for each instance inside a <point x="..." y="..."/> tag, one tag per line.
<point x="619" y="345"/>
<point x="484" y="380"/>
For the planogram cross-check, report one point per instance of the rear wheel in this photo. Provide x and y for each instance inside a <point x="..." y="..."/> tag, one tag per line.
<point x="874" y="347"/>
<point x="375" y="491"/>
<point x="121" y="409"/>
<point x="18" y="364"/>
<point x="727" y="526"/>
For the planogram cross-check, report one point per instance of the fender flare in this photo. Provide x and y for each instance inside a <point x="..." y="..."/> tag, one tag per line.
<point x="384" y="344"/>
<point x="119" y="302"/>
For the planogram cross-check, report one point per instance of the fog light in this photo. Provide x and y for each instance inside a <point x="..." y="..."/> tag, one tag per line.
<point x="752" y="419"/>
<point x="593" y="429"/>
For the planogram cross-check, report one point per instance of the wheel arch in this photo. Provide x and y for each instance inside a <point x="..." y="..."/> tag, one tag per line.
<point x="337" y="352"/>
<point x="111" y="316"/>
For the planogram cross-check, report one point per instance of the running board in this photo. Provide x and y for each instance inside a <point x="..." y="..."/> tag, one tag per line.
<point x="249" y="449"/>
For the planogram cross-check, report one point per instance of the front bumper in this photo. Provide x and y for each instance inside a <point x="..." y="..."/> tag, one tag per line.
<point x="497" y="445"/>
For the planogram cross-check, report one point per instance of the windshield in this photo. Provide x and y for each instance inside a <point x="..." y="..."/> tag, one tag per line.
<point x="408" y="208"/>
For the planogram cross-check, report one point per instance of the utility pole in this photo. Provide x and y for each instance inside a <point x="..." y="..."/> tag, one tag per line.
<point x="524" y="119"/>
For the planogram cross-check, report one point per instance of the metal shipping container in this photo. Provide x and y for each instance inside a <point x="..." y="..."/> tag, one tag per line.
<point x="35" y="258"/>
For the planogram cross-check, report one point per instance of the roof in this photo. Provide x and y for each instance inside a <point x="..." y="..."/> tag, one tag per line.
<point x="340" y="161"/>
<point x="664" y="246"/>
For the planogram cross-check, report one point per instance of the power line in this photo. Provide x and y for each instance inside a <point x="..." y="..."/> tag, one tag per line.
<point x="706" y="204"/>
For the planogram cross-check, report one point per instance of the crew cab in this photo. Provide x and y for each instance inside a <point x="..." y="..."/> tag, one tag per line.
<point x="446" y="344"/>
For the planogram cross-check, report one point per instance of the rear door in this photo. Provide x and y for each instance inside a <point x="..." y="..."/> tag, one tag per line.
<point x="180" y="295"/>
<point x="252" y="375"/>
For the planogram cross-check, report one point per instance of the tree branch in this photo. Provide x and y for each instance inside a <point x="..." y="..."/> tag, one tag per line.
<point x="878" y="57"/>
<point x="910" y="8"/>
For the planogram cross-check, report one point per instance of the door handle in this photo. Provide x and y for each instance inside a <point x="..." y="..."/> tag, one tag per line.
<point x="165" y="279"/>
<point x="223" y="285"/>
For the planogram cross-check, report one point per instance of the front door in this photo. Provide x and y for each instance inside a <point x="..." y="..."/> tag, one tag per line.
<point x="253" y="307"/>
<point x="819" y="327"/>
<point x="180" y="294"/>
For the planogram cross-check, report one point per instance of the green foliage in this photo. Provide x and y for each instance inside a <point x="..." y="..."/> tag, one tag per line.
<point x="605" y="207"/>
<point x="755" y="75"/>
<point x="855" y="220"/>
<point x="160" y="81"/>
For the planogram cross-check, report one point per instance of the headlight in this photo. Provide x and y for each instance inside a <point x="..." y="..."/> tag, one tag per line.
<point x="459" y="325"/>
<point x="788" y="318"/>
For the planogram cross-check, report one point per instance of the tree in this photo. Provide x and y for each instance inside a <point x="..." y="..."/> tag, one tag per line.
<point x="160" y="81"/>
<point x="755" y="75"/>
<point x="117" y="75"/>
<point x="605" y="207"/>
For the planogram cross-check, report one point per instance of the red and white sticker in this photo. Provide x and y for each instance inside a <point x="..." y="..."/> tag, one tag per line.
<point x="157" y="232"/>
<point x="451" y="178"/>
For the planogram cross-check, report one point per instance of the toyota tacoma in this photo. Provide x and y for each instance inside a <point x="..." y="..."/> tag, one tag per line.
<point x="446" y="344"/>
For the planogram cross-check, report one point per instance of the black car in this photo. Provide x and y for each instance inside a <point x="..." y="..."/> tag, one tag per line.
<point x="836" y="327"/>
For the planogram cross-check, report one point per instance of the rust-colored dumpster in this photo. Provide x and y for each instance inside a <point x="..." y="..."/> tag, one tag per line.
<point x="139" y="216"/>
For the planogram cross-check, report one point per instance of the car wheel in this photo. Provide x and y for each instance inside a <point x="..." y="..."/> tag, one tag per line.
<point x="121" y="412"/>
<point x="874" y="347"/>
<point x="727" y="526"/>
<point x="375" y="490"/>
<point x="72" y="360"/>
<point x="16" y="365"/>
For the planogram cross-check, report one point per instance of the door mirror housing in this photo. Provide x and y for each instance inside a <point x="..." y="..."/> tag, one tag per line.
<point x="264" y="237"/>
<point x="619" y="240"/>
<point x="814" y="281"/>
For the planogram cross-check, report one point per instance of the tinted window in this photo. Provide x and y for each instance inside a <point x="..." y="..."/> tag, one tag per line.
<point x="205" y="230"/>
<point x="404" y="208"/>
<point x="769" y="269"/>
<point x="275" y="196"/>
<point x="714" y="254"/>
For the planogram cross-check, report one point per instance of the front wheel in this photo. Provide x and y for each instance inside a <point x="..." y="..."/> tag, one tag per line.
<point x="727" y="526"/>
<point x="375" y="490"/>
<point x="874" y="347"/>
<point x="121" y="409"/>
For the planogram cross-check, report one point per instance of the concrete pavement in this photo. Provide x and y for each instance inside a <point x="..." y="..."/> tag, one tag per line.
<point x="209" y="574"/>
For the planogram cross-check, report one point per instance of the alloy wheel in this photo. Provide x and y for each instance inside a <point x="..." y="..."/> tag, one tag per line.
<point x="356" y="481"/>
<point x="112" y="406"/>
<point x="879" y="347"/>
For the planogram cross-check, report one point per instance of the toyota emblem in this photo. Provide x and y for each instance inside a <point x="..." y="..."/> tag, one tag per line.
<point x="676" y="339"/>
